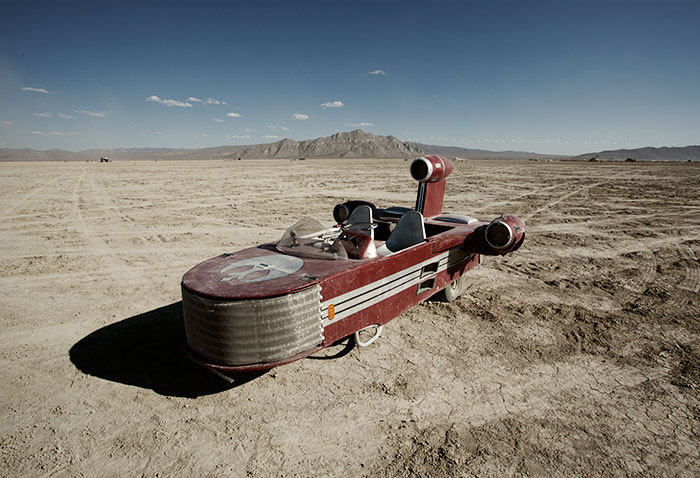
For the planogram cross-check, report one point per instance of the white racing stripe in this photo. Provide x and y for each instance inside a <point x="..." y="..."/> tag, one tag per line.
<point x="408" y="276"/>
<point x="384" y="280"/>
<point x="368" y="295"/>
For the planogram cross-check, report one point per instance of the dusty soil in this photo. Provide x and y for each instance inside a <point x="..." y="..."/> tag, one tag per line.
<point x="578" y="354"/>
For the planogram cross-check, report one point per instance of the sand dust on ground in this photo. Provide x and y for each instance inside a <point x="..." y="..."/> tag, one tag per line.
<point x="578" y="354"/>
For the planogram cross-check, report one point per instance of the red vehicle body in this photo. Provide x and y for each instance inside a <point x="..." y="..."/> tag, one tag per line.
<point x="275" y="303"/>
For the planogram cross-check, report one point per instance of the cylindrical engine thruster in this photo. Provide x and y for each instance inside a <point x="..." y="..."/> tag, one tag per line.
<point x="431" y="173"/>
<point x="504" y="232"/>
<point x="431" y="169"/>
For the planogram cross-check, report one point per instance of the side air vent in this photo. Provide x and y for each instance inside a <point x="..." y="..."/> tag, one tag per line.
<point x="426" y="285"/>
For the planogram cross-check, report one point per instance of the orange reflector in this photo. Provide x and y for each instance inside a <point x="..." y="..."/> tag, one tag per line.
<point x="331" y="312"/>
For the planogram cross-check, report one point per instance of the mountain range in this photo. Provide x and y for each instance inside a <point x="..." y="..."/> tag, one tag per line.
<point x="676" y="153"/>
<point x="458" y="152"/>
<point x="354" y="144"/>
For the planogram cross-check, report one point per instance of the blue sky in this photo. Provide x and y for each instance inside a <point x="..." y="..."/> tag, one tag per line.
<point x="551" y="77"/>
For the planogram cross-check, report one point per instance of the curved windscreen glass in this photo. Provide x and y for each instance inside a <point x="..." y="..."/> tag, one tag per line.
<point x="308" y="238"/>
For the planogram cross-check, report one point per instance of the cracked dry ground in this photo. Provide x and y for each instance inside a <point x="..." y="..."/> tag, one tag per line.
<point x="578" y="354"/>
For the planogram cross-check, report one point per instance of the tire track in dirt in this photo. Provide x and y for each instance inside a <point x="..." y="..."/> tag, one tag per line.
<point x="692" y="268"/>
<point x="647" y="271"/>
<point x="559" y="199"/>
<point x="19" y="203"/>
<point x="649" y="266"/>
<point x="576" y="191"/>
<point x="101" y="249"/>
<point x="516" y="199"/>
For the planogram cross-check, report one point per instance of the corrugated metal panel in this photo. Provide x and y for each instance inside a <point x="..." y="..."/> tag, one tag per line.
<point x="253" y="331"/>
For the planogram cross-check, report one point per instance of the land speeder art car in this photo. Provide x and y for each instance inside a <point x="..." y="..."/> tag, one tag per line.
<point x="275" y="303"/>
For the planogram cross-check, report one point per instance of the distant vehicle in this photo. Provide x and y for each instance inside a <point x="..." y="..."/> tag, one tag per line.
<point x="274" y="303"/>
<point x="104" y="160"/>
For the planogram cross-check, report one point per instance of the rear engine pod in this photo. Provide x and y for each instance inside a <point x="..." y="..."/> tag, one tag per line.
<point x="234" y="333"/>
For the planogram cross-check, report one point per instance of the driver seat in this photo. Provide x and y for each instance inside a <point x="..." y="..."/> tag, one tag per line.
<point x="409" y="231"/>
<point x="361" y="221"/>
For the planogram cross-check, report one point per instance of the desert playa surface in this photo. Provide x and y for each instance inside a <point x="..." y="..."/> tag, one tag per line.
<point x="578" y="354"/>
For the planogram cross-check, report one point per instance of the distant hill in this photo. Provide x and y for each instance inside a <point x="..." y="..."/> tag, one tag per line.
<point x="683" y="153"/>
<point x="355" y="144"/>
<point x="117" y="154"/>
<point x="467" y="153"/>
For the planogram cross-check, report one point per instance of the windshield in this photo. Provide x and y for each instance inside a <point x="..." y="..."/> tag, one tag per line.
<point x="308" y="238"/>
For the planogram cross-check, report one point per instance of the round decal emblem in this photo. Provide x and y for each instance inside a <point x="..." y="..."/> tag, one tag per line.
<point x="261" y="268"/>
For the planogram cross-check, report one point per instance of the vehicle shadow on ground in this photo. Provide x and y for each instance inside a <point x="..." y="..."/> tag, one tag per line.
<point x="338" y="349"/>
<point x="147" y="350"/>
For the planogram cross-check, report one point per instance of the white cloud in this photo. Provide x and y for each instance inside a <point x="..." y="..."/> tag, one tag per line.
<point x="378" y="72"/>
<point x="36" y="90"/>
<point x="218" y="120"/>
<point x="194" y="100"/>
<point x="300" y="116"/>
<point x="94" y="114"/>
<point x="212" y="101"/>
<point x="56" y="133"/>
<point x="234" y="115"/>
<point x="360" y="124"/>
<point x="284" y="128"/>
<point x="6" y="123"/>
<point x="249" y="130"/>
<point x="169" y="102"/>
<point x="333" y="104"/>
<point x="204" y="134"/>
<point x="159" y="132"/>
<point x="271" y="136"/>
<point x="236" y="136"/>
<point x="46" y="114"/>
